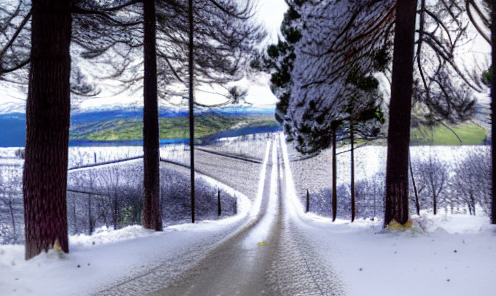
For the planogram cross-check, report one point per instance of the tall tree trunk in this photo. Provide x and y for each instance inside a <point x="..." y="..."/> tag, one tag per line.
<point x="352" y="173"/>
<point x="191" y="109"/>
<point x="334" y="176"/>
<point x="493" y="109"/>
<point x="152" y="218"/>
<point x="47" y="128"/>
<point x="396" y="203"/>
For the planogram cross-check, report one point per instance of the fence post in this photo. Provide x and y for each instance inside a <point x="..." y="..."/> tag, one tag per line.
<point x="235" y="205"/>
<point x="94" y="154"/>
<point x="90" y="220"/>
<point x="219" y="210"/>
<point x="308" y="202"/>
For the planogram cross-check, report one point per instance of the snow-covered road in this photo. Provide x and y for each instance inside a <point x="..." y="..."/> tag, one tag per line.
<point x="266" y="255"/>
<point x="237" y="267"/>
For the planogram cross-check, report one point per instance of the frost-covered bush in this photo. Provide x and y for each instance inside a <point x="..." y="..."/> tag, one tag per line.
<point x="432" y="177"/>
<point x="471" y="182"/>
<point x="11" y="205"/>
<point x="369" y="197"/>
<point x="120" y="204"/>
<point x="176" y="198"/>
<point x="319" y="202"/>
<point x="85" y="211"/>
<point x="112" y="195"/>
<point x="460" y="177"/>
<point x="116" y="198"/>
<point x="459" y="180"/>
<point x="109" y="195"/>
<point x="343" y="201"/>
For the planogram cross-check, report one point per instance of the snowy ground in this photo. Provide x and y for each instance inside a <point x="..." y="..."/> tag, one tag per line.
<point x="456" y="256"/>
<point x="440" y="255"/>
<point x="96" y="262"/>
<point x="107" y="256"/>
<point x="367" y="261"/>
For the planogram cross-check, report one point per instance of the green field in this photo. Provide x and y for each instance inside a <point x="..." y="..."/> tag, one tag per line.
<point x="470" y="133"/>
<point x="178" y="127"/>
<point x="170" y="127"/>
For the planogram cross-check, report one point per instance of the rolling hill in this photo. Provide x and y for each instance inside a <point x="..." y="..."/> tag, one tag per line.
<point x="124" y="127"/>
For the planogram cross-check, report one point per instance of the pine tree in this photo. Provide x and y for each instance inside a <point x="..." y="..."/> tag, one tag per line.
<point x="280" y="58"/>
<point x="221" y="42"/>
<point x="493" y="109"/>
<point x="335" y="43"/>
<point x="47" y="128"/>
<point x="152" y="218"/>
<point x="339" y="37"/>
<point x="396" y="202"/>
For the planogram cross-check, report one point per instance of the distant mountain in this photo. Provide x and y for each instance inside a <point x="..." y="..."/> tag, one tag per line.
<point x="137" y="113"/>
<point x="122" y="126"/>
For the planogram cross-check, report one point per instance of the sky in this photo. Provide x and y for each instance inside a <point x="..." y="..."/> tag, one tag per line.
<point x="270" y="13"/>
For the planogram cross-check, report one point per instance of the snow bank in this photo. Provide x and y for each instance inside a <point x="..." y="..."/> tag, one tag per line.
<point x="110" y="256"/>
<point x="439" y="255"/>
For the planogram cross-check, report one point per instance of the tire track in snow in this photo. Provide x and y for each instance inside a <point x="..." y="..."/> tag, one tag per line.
<point x="237" y="267"/>
<point x="295" y="268"/>
<point x="286" y="264"/>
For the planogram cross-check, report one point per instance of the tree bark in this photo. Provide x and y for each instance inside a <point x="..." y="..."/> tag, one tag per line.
<point x="493" y="109"/>
<point x="152" y="218"/>
<point x="191" y="109"/>
<point x="396" y="203"/>
<point x="47" y="128"/>
<point x="334" y="176"/>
